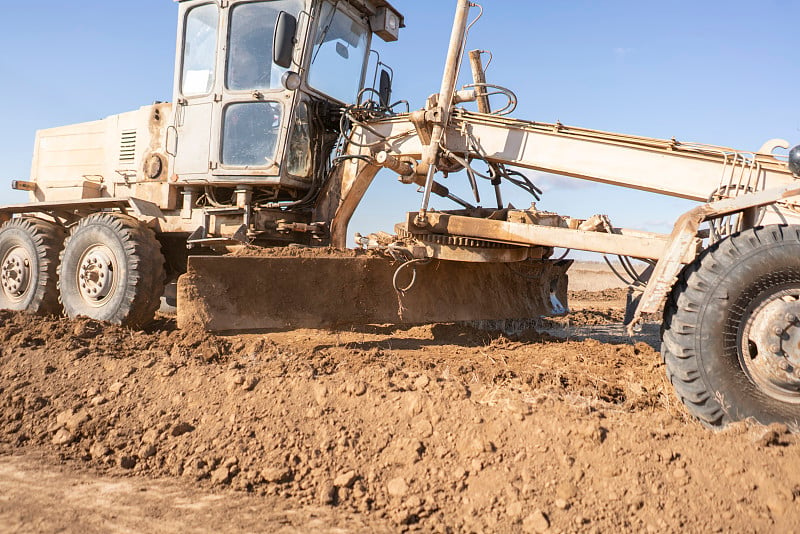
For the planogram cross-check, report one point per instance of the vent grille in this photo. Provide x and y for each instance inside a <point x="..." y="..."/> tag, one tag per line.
<point x="127" y="146"/>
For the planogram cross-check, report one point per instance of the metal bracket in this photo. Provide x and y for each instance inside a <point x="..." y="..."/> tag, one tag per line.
<point x="435" y="116"/>
<point x="199" y="238"/>
<point x="145" y="209"/>
<point x="420" y="123"/>
<point x="23" y="185"/>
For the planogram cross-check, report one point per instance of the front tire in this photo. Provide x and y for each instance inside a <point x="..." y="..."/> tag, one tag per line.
<point x="29" y="249"/>
<point x="112" y="270"/>
<point x="731" y="338"/>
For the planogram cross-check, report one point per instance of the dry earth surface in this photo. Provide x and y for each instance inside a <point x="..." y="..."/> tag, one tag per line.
<point x="566" y="427"/>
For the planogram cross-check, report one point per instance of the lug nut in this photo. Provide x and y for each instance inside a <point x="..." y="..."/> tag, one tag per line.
<point x="790" y="317"/>
<point x="784" y="365"/>
<point x="774" y="348"/>
<point x="777" y="330"/>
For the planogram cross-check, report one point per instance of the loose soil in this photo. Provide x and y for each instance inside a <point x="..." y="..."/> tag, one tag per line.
<point x="433" y="428"/>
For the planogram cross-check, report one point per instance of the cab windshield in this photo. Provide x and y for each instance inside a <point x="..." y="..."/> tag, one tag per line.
<point x="340" y="48"/>
<point x="252" y="26"/>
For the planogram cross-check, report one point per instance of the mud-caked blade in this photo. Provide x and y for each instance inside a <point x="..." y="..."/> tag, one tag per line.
<point x="222" y="293"/>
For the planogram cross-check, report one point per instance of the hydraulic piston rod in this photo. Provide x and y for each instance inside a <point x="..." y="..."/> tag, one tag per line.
<point x="454" y="54"/>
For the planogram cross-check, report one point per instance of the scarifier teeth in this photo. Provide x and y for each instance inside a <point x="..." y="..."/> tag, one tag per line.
<point x="452" y="240"/>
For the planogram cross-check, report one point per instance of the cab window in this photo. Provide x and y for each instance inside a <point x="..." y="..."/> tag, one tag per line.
<point x="252" y="26"/>
<point x="340" y="48"/>
<point x="200" y="50"/>
<point x="250" y="134"/>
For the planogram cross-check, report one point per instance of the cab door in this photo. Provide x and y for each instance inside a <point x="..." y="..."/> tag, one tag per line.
<point x="251" y="117"/>
<point x="196" y="79"/>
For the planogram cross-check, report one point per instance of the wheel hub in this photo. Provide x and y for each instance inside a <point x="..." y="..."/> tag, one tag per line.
<point x="773" y="344"/>
<point x="15" y="273"/>
<point x="96" y="275"/>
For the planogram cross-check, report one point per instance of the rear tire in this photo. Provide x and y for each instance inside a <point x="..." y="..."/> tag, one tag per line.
<point x="29" y="249"/>
<point x="732" y="329"/>
<point x="112" y="270"/>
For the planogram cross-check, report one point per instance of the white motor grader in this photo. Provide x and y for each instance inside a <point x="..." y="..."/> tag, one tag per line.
<point x="240" y="191"/>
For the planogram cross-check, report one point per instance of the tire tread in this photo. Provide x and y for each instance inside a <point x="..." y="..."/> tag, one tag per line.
<point x="145" y="262"/>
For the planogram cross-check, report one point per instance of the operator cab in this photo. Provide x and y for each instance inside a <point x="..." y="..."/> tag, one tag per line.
<point x="255" y="82"/>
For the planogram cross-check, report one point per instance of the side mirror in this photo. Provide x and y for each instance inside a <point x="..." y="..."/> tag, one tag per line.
<point x="385" y="88"/>
<point x="284" y="39"/>
<point x="794" y="160"/>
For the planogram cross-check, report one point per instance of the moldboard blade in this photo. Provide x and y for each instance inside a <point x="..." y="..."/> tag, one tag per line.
<point x="229" y="293"/>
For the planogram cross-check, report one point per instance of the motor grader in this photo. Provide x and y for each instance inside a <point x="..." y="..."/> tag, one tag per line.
<point x="240" y="190"/>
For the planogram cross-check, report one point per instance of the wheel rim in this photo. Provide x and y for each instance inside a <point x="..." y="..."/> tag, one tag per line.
<point x="770" y="344"/>
<point x="15" y="273"/>
<point x="97" y="275"/>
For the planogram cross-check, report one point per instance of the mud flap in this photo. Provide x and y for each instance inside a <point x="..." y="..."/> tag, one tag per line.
<point x="230" y="293"/>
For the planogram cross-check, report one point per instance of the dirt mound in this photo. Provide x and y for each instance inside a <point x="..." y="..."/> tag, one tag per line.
<point x="442" y="428"/>
<point x="604" y="295"/>
<point x="299" y="252"/>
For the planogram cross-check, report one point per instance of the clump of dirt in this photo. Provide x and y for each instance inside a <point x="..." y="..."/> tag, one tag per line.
<point x="299" y="252"/>
<point x="436" y="428"/>
<point x="605" y="295"/>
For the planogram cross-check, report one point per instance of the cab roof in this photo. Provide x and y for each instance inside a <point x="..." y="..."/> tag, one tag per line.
<point x="368" y="7"/>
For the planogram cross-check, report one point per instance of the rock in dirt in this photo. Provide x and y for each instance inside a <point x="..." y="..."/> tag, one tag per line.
<point x="63" y="417"/>
<point x="148" y="451"/>
<point x="74" y="423"/>
<point x="422" y="428"/>
<point x="63" y="437"/>
<point x="405" y="451"/>
<point x="98" y="450"/>
<point x="397" y="487"/>
<point x="567" y="491"/>
<point x="276" y="475"/>
<point x="356" y="388"/>
<point x="773" y="436"/>
<point x="345" y="480"/>
<point x="594" y="432"/>
<point x="181" y="429"/>
<point x="536" y="523"/>
<point x="220" y="476"/>
<point x="127" y="462"/>
<point x="250" y="383"/>
<point x="235" y="382"/>
<point x="327" y="494"/>
<point x="321" y="394"/>
<point x="422" y="382"/>
<point x="150" y="436"/>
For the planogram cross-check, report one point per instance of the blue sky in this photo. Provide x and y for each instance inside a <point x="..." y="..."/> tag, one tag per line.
<point x="721" y="72"/>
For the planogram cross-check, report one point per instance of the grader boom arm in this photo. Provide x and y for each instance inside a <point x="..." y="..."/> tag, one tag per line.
<point x="731" y="181"/>
<point x="666" y="167"/>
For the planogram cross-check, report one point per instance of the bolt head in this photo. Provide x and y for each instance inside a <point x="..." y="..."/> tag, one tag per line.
<point x="774" y="348"/>
<point x="784" y="365"/>
<point x="790" y="318"/>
